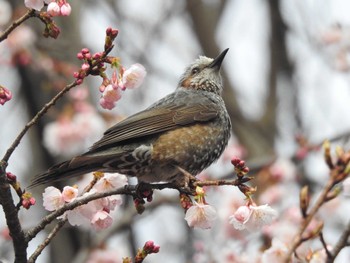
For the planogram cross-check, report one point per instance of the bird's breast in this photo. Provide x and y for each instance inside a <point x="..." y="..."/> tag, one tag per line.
<point x="192" y="147"/>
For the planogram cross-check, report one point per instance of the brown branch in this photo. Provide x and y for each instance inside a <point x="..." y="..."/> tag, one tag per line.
<point x="342" y="242"/>
<point x="15" y="24"/>
<point x="11" y="214"/>
<point x="127" y="190"/>
<point x="47" y="241"/>
<point x="35" y="120"/>
<point x="297" y="240"/>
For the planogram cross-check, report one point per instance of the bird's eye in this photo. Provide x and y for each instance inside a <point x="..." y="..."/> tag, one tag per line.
<point x="195" y="70"/>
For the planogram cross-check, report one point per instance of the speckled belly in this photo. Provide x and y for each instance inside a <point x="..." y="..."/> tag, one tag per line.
<point x="193" y="148"/>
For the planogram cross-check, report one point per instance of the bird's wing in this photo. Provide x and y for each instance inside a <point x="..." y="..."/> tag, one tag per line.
<point x="155" y="120"/>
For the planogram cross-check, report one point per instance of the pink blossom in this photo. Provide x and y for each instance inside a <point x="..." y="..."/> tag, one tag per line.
<point x="34" y="4"/>
<point x="240" y="217"/>
<point x="283" y="170"/>
<point x="104" y="256"/>
<point x="276" y="253"/>
<point x="5" y="95"/>
<point x="69" y="194"/>
<point x="111" y="94"/>
<point x="79" y="93"/>
<point x="95" y="213"/>
<point x="200" y="215"/>
<point x="53" y="9"/>
<point x="108" y="105"/>
<point x="70" y="136"/>
<point x="252" y="217"/>
<point x="101" y="220"/>
<point x="133" y="76"/>
<point x="111" y="181"/>
<point x="66" y="9"/>
<point x="52" y="198"/>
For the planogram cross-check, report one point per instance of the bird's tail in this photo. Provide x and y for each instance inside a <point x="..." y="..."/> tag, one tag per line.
<point x="75" y="167"/>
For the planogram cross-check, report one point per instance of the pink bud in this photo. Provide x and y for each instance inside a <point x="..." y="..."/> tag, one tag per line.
<point x="53" y="9"/>
<point x="79" y="81"/>
<point x="76" y="74"/>
<point x="97" y="55"/>
<point x="80" y="56"/>
<point x="241" y="164"/>
<point x="88" y="55"/>
<point x="85" y="50"/>
<point x="85" y="66"/>
<point x="66" y="9"/>
<point x="5" y="95"/>
<point x="235" y="160"/>
<point x="11" y="176"/>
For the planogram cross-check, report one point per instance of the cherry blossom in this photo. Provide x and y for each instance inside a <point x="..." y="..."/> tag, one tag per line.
<point x="104" y="255"/>
<point x="252" y="217"/>
<point x="111" y="181"/>
<point x="69" y="193"/>
<point x="276" y="253"/>
<point x="111" y="94"/>
<point x="72" y="135"/>
<point x="200" y="215"/>
<point x="133" y="76"/>
<point x="52" y="198"/>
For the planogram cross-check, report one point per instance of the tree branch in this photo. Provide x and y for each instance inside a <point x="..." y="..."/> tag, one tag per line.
<point x="342" y="242"/>
<point x="11" y="213"/>
<point x="15" y="24"/>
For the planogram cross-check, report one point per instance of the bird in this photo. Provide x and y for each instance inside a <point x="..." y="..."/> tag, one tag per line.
<point x="182" y="133"/>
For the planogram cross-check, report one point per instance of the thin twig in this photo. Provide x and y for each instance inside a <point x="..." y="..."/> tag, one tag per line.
<point x="320" y="201"/>
<point x="47" y="241"/>
<point x="15" y="24"/>
<point x="36" y="119"/>
<point x="324" y="244"/>
<point x="127" y="190"/>
<point x="342" y="242"/>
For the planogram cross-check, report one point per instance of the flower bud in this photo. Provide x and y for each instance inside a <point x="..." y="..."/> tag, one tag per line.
<point x="304" y="200"/>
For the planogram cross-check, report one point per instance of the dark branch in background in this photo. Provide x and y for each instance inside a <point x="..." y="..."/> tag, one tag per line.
<point x="254" y="135"/>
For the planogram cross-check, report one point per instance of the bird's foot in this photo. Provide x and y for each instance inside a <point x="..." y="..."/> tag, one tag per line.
<point x="186" y="184"/>
<point x="144" y="191"/>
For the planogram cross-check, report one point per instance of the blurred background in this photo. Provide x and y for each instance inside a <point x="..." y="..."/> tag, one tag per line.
<point x="287" y="88"/>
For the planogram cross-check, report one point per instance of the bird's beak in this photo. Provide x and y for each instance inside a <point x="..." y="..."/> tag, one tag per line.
<point x="216" y="63"/>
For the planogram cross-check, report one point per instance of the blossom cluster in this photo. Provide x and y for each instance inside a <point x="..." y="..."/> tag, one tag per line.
<point x="73" y="133"/>
<point x="54" y="7"/>
<point x="111" y="90"/>
<point x="251" y="217"/>
<point x="97" y="213"/>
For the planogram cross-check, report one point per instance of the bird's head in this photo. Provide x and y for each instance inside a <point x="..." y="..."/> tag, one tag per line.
<point x="204" y="74"/>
